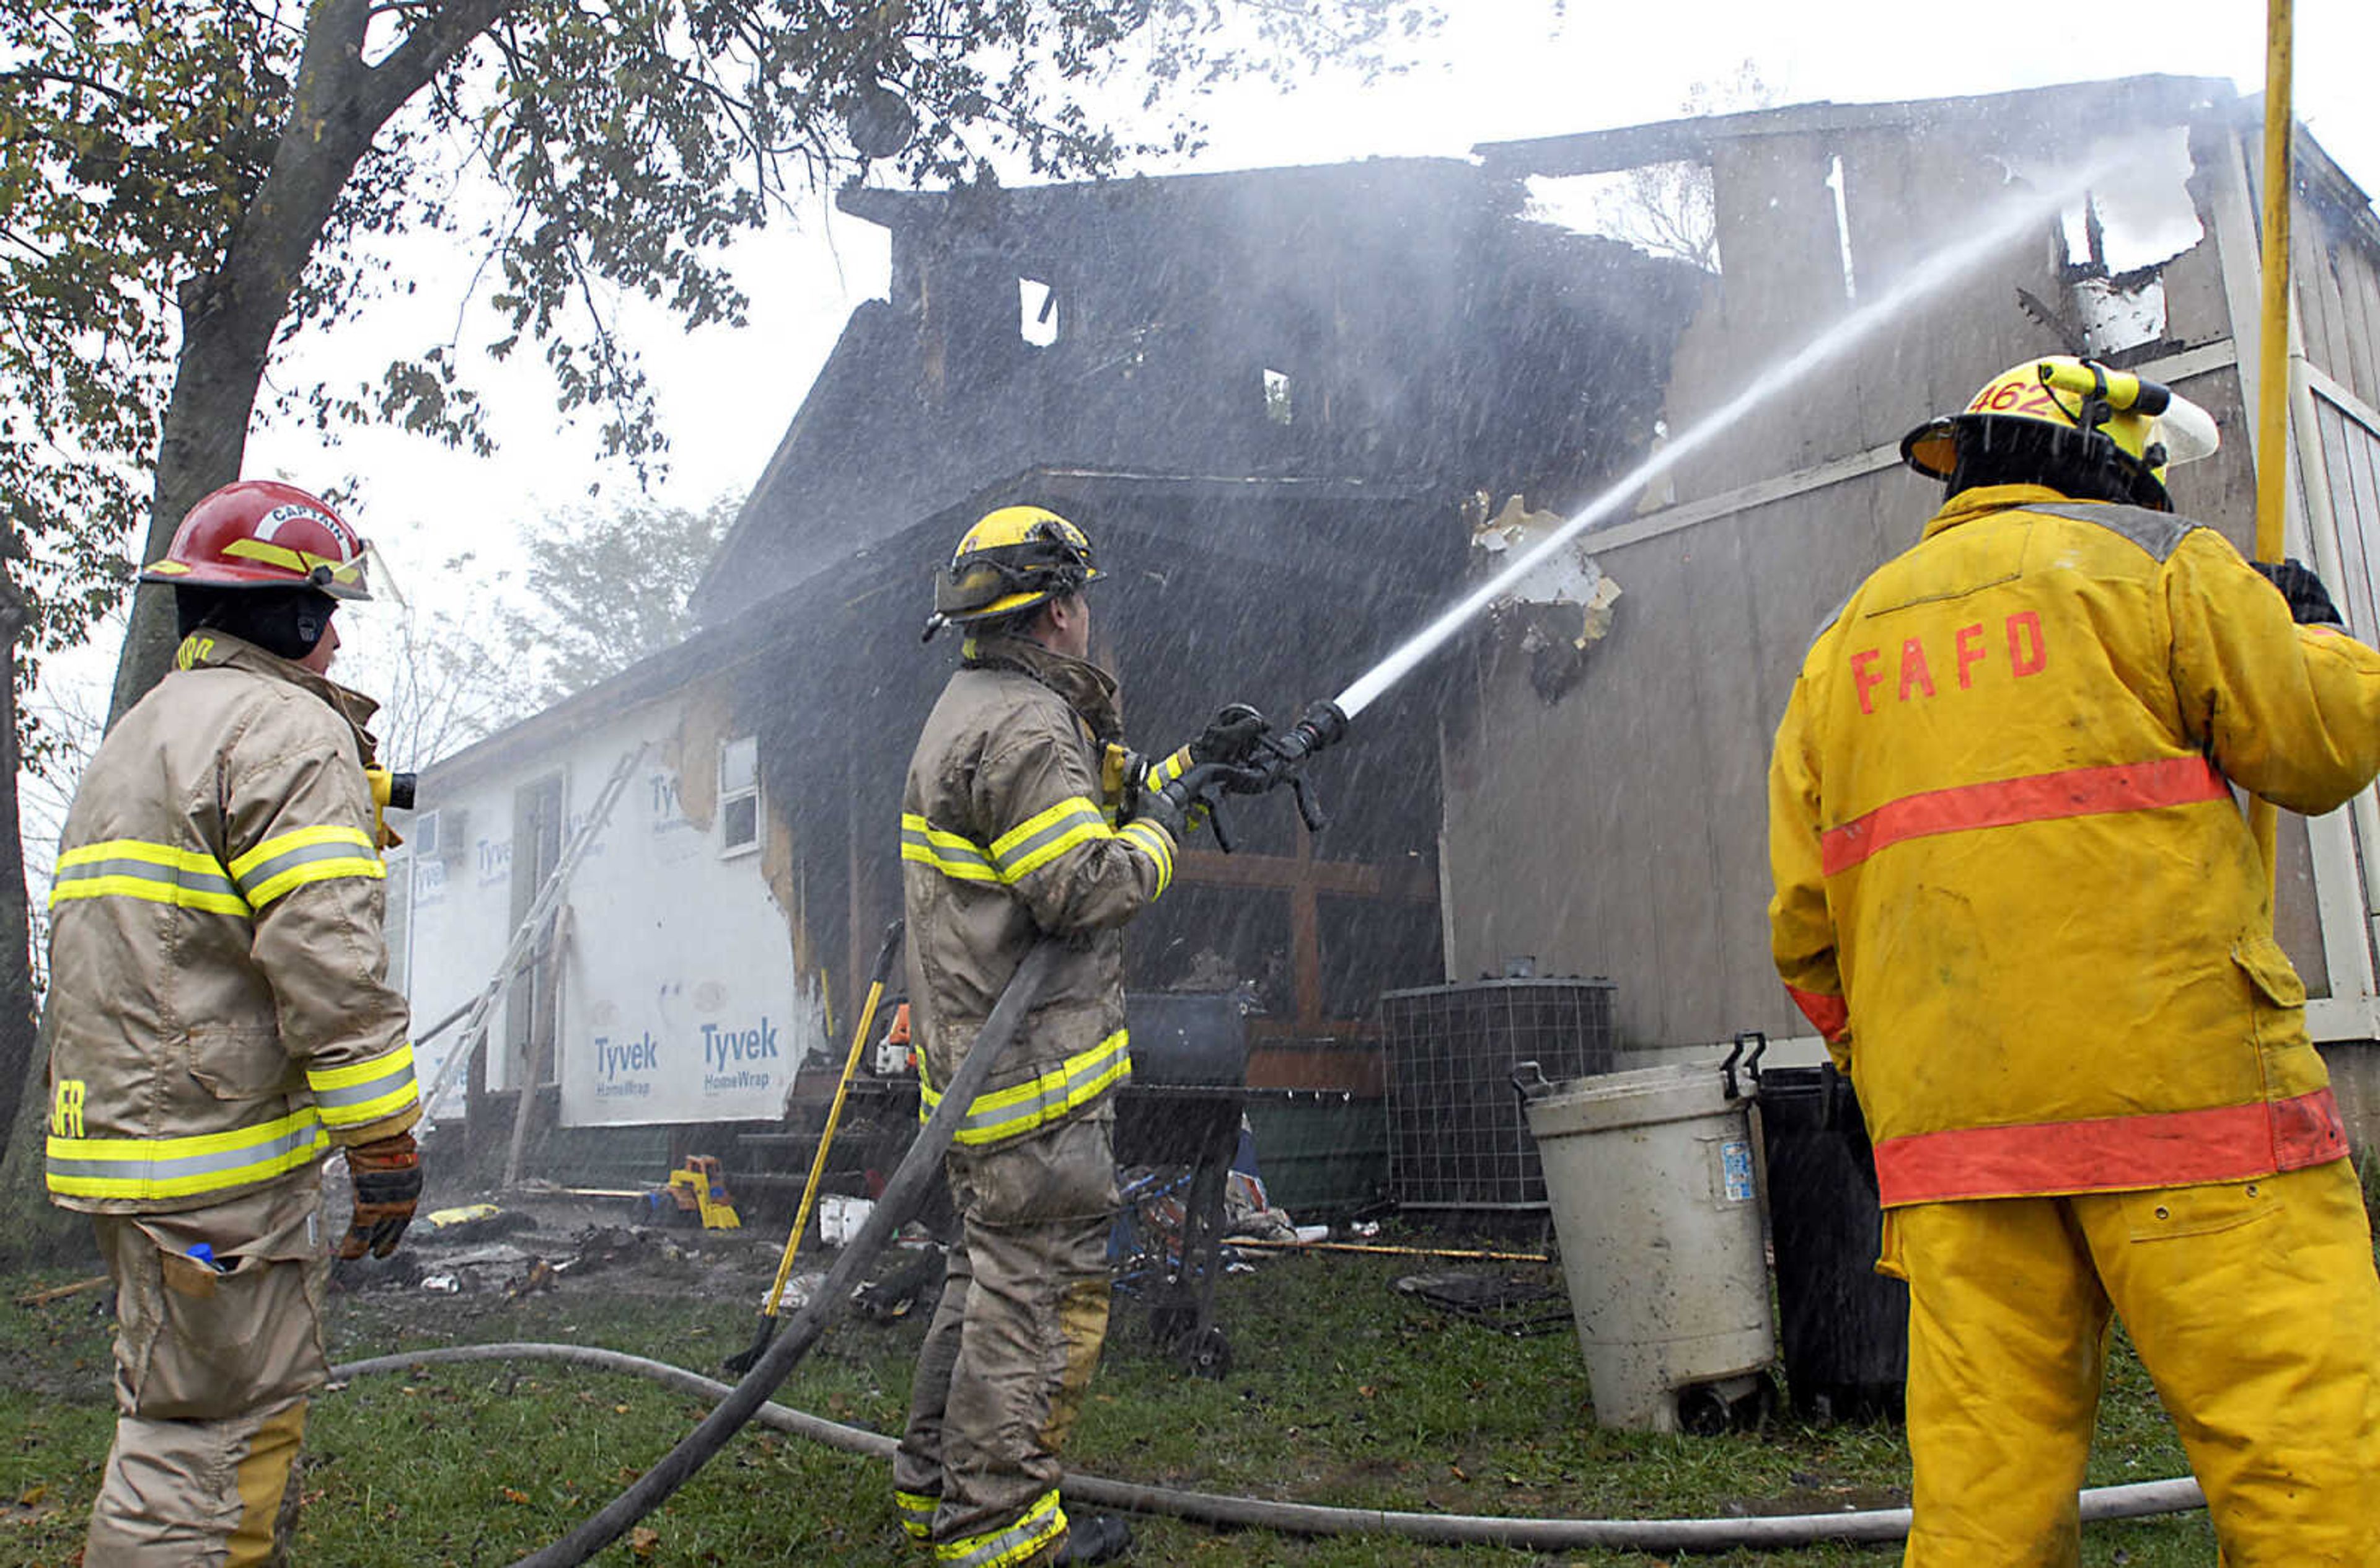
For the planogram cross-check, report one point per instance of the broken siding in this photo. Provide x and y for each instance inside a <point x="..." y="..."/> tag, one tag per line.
<point x="679" y="999"/>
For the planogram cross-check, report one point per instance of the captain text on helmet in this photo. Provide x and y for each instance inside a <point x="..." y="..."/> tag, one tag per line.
<point x="219" y="1021"/>
<point x="2016" y="895"/>
<point x="1025" y="817"/>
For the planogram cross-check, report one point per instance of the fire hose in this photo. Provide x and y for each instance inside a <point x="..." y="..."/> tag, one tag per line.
<point x="2135" y="1500"/>
<point x="902" y="1197"/>
<point x="1276" y="760"/>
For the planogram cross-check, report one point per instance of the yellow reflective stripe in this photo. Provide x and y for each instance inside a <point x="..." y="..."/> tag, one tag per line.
<point x="308" y="854"/>
<point x="947" y="852"/>
<point x="279" y="845"/>
<point x="1169" y="770"/>
<point x="1047" y="850"/>
<point x="151" y="889"/>
<point x="365" y="1091"/>
<point x="1021" y="1108"/>
<point x="1153" y="840"/>
<point x="1042" y="1522"/>
<point x="140" y="850"/>
<point x="1029" y="846"/>
<point x="917" y="1512"/>
<point x="327" y="869"/>
<point x="303" y="561"/>
<point x="159" y="873"/>
<point x="184" y="1167"/>
<point x="1074" y="808"/>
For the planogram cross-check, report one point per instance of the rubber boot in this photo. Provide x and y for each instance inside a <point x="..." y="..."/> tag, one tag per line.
<point x="1095" y="1538"/>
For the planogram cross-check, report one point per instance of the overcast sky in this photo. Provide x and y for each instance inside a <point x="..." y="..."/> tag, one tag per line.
<point x="1501" y="69"/>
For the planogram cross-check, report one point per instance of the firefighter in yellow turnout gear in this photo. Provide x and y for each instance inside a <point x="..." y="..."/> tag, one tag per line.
<point x="1015" y="826"/>
<point x="2015" y="895"/>
<point x="218" y="1021"/>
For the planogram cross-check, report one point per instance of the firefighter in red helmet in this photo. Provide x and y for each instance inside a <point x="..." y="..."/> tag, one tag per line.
<point x="219" y="1022"/>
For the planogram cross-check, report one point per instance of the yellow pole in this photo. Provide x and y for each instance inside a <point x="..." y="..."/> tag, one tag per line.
<point x="826" y="1142"/>
<point x="2273" y="357"/>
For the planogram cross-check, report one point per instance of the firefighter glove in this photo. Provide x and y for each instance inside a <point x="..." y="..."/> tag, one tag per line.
<point x="1231" y="736"/>
<point x="1167" y="808"/>
<point x="388" y="1183"/>
<point x="2310" y="603"/>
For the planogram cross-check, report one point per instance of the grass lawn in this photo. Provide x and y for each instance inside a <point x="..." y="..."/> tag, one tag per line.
<point x="1342" y="1392"/>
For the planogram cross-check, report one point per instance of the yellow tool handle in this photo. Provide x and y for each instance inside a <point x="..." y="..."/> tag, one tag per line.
<point x="2272" y="356"/>
<point x="834" y="1117"/>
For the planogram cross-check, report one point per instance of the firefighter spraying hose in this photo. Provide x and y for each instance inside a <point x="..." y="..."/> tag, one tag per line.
<point x="1155" y="807"/>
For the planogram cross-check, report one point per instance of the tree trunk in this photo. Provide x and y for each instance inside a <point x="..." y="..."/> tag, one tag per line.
<point x="29" y="1227"/>
<point x="230" y="316"/>
<point x="16" y="1030"/>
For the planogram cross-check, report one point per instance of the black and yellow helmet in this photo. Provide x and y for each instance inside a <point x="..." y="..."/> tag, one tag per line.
<point x="1014" y="558"/>
<point x="2076" y="425"/>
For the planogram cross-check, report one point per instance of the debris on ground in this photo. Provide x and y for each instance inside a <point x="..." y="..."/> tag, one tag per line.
<point x="1507" y="1303"/>
<point x="911" y="1282"/>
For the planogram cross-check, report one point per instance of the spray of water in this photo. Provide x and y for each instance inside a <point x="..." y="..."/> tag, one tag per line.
<point x="2019" y="215"/>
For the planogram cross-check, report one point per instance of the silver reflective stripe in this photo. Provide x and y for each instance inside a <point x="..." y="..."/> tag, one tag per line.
<point x="948" y="853"/>
<point x="1010" y="857"/>
<point x="396" y="1077"/>
<point x="1042" y="1523"/>
<point x="255" y="876"/>
<point x="917" y="1512"/>
<point x="151" y="1170"/>
<point x="184" y="877"/>
<point x="994" y="1116"/>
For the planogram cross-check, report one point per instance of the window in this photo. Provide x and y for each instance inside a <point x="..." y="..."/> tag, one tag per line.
<point x="739" y="795"/>
<point x="1276" y="396"/>
<point x="396" y="923"/>
<point x="424" y="837"/>
<point x="1038" y="311"/>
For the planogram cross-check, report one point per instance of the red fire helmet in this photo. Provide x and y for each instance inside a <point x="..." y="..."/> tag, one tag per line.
<point x="260" y="533"/>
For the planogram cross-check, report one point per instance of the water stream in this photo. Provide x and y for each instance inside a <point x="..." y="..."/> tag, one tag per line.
<point x="2017" y="215"/>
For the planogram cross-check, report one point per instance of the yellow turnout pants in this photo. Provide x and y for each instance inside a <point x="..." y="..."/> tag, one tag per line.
<point x="2255" y="1308"/>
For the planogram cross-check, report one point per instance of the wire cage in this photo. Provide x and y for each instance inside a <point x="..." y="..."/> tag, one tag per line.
<point x="1458" y="1139"/>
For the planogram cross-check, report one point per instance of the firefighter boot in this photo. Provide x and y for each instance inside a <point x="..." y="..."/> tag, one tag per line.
<point x="1094" y="1537"/>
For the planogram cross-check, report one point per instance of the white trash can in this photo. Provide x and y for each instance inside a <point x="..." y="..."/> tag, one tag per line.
<point x="1649" y="1174"/>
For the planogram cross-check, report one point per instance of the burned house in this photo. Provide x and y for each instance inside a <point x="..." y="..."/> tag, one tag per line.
<point x="1295" y="408"/>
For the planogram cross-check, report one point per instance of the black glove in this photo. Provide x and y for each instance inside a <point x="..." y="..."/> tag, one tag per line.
<point x="1167" y="808"/>
<point x="388" y="1183"/>
<point x="1231" y="736"/>
<point x="2310" y="603"/>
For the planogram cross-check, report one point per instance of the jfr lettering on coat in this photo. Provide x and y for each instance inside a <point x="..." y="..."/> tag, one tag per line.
<point x="1968" y="658"/>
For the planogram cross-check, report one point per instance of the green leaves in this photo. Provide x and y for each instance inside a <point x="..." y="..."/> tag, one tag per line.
<point x="186" y="186"/>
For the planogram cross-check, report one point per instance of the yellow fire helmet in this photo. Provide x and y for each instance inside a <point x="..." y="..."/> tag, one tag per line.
<point x="2075" y="425"/>
<point x="1014" y="558"/>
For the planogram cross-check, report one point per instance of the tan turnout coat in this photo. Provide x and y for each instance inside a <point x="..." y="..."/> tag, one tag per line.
<point x="1009" y="830"/>
<point x="219" y="1015"/>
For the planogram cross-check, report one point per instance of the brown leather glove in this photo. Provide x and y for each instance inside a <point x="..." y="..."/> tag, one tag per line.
<point x="388" y="1183"/>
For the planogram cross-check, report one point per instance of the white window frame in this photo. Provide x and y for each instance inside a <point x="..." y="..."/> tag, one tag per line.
<point x="748" y="788"/>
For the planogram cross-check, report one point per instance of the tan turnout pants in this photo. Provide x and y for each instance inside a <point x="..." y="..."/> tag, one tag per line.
<point x="213" y="1368"/>
<point x="1010" y="1351"/>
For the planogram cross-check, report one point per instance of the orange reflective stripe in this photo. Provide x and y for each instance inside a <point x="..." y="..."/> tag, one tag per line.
<point x="2040" y="797"/>
<point x="2169" y="1149"/>
<point x="1831" y="1013"/>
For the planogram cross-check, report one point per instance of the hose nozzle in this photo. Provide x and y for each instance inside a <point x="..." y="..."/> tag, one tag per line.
<point x="1321" y="725"/>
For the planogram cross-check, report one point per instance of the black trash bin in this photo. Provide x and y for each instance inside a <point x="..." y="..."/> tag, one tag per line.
<point x="1846" y="1327"/>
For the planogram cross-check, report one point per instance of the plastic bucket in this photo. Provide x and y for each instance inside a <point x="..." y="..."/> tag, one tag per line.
<point x="1650" y="1178"/>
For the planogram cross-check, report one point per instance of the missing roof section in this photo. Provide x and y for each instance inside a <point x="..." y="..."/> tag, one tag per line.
<point x="1664" y="210"/>
<point x="2136" y="217"/>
